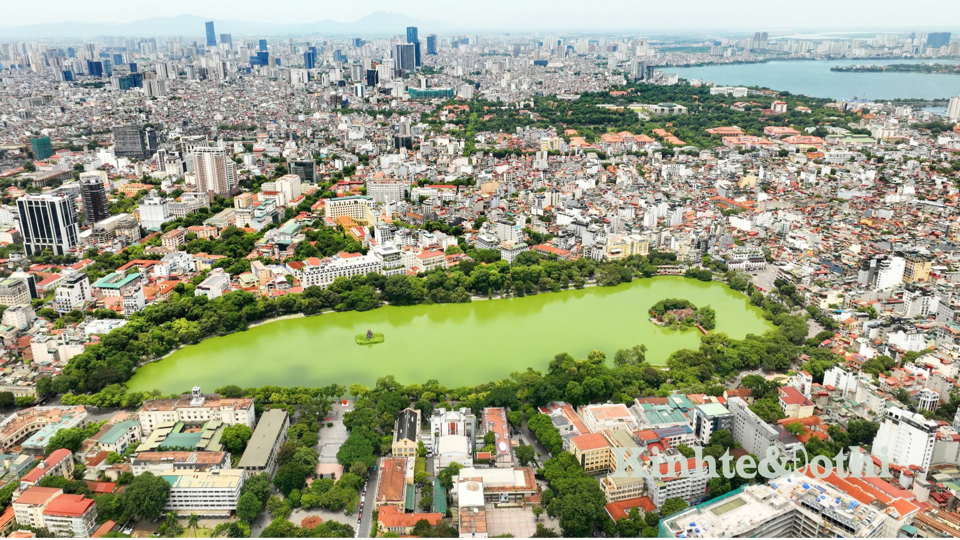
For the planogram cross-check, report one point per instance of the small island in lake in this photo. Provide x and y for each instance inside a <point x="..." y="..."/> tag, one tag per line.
<point x="941" y="69"/>
<point x="682" y="314"/>
<point x="370" y="338"/>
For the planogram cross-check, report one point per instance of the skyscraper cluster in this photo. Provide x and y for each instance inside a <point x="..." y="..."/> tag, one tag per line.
<point x="414" y="39"/>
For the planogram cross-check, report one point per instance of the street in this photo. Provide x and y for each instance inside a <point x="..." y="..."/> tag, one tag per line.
<point x="364" y="523"/>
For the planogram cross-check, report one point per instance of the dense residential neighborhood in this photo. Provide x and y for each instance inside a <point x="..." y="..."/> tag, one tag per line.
<point x="156" y="192"/>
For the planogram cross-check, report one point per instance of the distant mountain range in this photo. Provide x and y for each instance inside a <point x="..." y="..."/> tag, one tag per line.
<point x="379" y="23"/>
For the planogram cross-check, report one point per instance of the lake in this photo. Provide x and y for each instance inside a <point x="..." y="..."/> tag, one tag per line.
<point x="814" y="78"/>
<point x="457" y="344"/>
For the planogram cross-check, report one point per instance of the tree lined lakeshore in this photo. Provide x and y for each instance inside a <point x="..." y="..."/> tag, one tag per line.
<point x="773" y="351"/>
<point x="940" y="69"/>
<point x="482" y="339"/>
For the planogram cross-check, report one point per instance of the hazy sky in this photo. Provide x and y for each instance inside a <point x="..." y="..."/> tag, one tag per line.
<point x="517" y="14"/>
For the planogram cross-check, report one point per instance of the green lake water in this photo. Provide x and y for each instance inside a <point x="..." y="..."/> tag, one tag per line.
<point x="457" y="344"/>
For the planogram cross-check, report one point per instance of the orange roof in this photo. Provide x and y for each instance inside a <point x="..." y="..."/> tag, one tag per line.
<point x="104" y="529"/>
<point x="731" y="130"/>
<point x="69" y="505"/>
<point x="50" y="461"/>
<point x="590" y="441"/>
<point x="550" y="249"/>
<point x="37" y="495"/>
<point x="392" y="480"/>
<point x="391" y="516"/>
<point x="6" y="517"/>
<point x="621" y="509"/>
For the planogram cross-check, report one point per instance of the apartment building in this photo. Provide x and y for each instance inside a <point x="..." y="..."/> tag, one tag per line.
<point x="73" y="293"/>
<point x="263" y="447"/>
<point x="70" y="515"/>
<point x="173" y="239"/>
<point x="428" y="260"/>
<point x="61" y="514"/>
<point x="387" y="191"/>
<point x="196" y="409"/>
<point x="211" y="494"/>
<point x="359" y="208"/>
<point x="128" y="287"/>
<point x="391" y="259"/>
<point x="216" y="172"/>
<point x="905" y="438"/>
<point x="154" y="210"/>
<point x="58" y="463"/>
<point x="623" y="482"/>
<point x="709" y="418"/>
<point x="917" y="267"/>
<point x="689" y="485"/>
<point x="753" y="434"/>
<point x="794" y="404"/>
<point x="881" y="272"/>
<point x="14" y="292"/>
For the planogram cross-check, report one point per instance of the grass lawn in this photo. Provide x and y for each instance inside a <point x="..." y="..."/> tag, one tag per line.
<point x="202" y="532"/>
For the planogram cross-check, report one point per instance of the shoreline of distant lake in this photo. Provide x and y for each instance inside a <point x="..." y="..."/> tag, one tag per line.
<point x="933" y="69"/>
<point x="815" y="78"/>
<point x="795" y="59"/>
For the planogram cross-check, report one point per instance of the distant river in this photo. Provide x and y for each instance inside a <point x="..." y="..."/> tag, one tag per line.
<point x="457" y="344"/>
<point x="814" y="78"/>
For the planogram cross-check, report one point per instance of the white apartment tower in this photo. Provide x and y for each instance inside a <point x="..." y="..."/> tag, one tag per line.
<point x="882" y="272"/>
<point x="216" y="172"/>
<point x="953" y="109"/>
<point x="154" y="211"/>
<point x="753" y="434"/>
<point x="905" y="438"/>
<point x="290" y="186"/>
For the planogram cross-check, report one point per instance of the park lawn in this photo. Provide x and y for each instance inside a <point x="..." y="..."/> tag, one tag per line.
<point x="201" y="532"/>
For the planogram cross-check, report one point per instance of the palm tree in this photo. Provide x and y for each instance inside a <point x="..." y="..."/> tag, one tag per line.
<point x="194" y="521"/>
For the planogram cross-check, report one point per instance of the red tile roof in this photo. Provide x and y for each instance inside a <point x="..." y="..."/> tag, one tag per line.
<point x="48" y="463"/>
<point x="104" y="529"/>
<point x="69" y="505"/>
<point x="390" y="516"/>
<point x="621" y="509"/>
<point x="792" y="396"/>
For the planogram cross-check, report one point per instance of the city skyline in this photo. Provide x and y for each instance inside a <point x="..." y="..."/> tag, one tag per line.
<point x="610" y="15"/>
